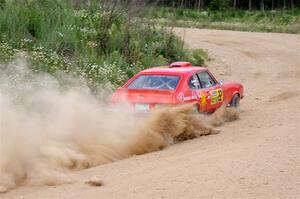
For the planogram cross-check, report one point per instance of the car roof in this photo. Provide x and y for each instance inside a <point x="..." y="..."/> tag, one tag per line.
<point x="175" y="70"/>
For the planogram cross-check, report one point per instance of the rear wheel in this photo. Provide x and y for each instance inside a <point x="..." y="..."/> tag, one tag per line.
<point x="235" y="102"/>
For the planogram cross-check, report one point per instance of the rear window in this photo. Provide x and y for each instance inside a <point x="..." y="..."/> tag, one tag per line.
<point x="155" y="82"/>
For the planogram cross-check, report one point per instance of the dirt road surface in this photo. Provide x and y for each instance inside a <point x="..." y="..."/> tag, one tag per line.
<point x="257" y="156"/>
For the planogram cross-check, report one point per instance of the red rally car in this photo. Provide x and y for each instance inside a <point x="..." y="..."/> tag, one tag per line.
<point x="178" y="83"/>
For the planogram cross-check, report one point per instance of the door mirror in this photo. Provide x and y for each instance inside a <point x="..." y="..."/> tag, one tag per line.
<point x="221" y="83"/>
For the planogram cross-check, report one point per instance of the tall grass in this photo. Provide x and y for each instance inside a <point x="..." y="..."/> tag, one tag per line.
<point x="87" y="40"/>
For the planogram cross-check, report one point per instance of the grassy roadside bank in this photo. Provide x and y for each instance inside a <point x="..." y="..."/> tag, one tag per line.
<point x="100" y="44"/>
<point x="281" y="21"/>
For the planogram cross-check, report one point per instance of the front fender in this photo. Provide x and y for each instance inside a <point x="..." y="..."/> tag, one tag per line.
<point x="230" y="89"/>
<point x="239" y="89"/>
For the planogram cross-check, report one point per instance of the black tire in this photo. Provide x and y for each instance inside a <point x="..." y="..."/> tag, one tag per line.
<point x="235" y="102"/>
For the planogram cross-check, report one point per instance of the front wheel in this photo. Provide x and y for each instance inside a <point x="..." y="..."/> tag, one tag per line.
<point x="235" y="102"/>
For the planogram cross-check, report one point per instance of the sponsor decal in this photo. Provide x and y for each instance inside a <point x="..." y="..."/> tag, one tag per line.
<point x="195" y="96"/>
<point x="203" y="101"/>
<point x="216" y="96"/>
<point x="180" y="97"/>
<point x="213" y="93"/>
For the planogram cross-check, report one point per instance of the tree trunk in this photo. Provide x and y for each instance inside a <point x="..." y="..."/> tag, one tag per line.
<point x="272" y="4"/>
<point x="199" y="5"/>
<point x="262" y="6"/>
<point x="250" y="4"/>
<point x="234" y="4"/>
<point x="292" y="4"/>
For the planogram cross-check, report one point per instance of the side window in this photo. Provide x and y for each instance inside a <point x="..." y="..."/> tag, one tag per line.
<point x="194" y="82"/>
<point x="206" y="80"/>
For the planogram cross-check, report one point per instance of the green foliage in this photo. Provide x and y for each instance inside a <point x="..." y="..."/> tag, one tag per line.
<point x="219" y="4"/>
<point x="219" y="18"/>
<point x="200" y="56"/>
<point x="87" y="40"/>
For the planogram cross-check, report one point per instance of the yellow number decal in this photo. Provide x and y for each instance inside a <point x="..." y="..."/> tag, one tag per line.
<point x="216" y="96"/>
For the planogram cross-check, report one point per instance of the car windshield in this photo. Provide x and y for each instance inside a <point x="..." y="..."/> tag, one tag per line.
<point x="155" y="82"/>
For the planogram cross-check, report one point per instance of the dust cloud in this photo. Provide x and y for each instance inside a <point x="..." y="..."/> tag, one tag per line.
<point x="48" y="130"/>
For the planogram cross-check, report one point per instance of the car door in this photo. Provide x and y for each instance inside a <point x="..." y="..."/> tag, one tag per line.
<point x="212" y="91"/>
<point x="191" y="93"/>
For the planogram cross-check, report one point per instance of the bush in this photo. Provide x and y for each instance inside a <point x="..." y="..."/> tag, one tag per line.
<point x="200" y="56"/>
